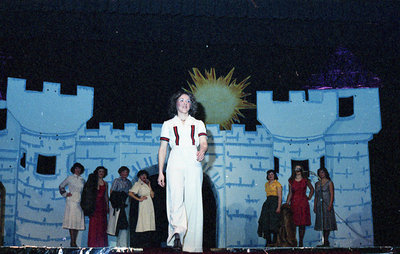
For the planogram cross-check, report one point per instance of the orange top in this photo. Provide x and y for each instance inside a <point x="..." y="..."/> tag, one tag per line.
<point x="272" y="188"/>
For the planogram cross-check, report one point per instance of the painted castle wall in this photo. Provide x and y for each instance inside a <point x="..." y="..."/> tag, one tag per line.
<point x="51" y="124"/>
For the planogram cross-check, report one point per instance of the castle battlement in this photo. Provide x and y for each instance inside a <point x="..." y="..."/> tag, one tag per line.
<point x="49" y="111"/>
<point x="366" y="118"/>
<point x="130" y="133"/>
<point x="320" y="114"/>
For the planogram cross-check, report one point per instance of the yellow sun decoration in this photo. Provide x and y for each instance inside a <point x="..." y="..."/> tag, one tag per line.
<point x="222" y="99"/>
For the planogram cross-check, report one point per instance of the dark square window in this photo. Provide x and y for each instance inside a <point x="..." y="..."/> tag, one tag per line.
<point x="276" y="164"/>
<point x="322" y="162"/>
<point x="46" y="165"/>
<point x="22" y="161"/>
<point x="346" y="106"/>
<point x="3" y="119"/>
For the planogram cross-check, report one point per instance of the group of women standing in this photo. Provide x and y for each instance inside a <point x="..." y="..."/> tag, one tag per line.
<point x="269" y="221"/>
<point x="187" y="138"/>
<point x="91" y="199"/>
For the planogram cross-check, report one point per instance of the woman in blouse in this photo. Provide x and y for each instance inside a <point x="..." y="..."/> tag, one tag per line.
<point x="268" y="224"/>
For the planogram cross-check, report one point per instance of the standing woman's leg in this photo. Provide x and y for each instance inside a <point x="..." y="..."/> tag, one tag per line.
<point x="73" y="233"/>
<point x="326" y="238"/>
<point x="193" y="241"/>
<point x="176" y="212"/>
<point x="123" y="238"/>
<point x="302" y="231"/>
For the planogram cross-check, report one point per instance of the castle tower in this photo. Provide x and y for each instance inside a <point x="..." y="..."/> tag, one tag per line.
<point x="297" y="127"/>
<point x="48" y="123"/>
<point x="347" y="160"/>
<point x="315" y="132"/>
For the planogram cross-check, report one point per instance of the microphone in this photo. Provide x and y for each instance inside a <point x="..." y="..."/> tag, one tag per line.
<point x="314" y="174"/>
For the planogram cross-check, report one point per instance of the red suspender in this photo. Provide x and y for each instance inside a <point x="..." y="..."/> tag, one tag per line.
<point x="176" y="135"/>
<point x="192" y="135"/>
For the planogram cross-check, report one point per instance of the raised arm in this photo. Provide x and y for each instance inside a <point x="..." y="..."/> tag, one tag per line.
<point x="62" y="190"/>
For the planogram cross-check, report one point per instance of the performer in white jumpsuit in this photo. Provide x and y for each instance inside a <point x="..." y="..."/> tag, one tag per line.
<point x="184" y="173"/>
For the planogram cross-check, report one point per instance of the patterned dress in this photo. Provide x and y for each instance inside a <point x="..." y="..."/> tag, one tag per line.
<point x="324" y="219"/>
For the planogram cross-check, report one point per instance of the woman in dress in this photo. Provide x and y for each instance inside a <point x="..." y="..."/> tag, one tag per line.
<point x="97" y="236"/>
<point x="74" y="219"/>
<point x="118" y="225"/>
<point x="268" y="224"/>
<point x="323" y="205"/>
<point x="187" y="138"/>
<point x="298" y="200"/>
<point x="142" y="192"/>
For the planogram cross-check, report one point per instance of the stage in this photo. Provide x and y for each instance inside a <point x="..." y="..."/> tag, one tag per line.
<point x="85" y="250"/>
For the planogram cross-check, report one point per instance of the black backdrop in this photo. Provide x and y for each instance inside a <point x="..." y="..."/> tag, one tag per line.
<point x="135" y="59"/>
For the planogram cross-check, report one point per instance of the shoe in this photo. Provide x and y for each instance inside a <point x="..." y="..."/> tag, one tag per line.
<point x="326" y="244"/>
<point x="177" y="243"/>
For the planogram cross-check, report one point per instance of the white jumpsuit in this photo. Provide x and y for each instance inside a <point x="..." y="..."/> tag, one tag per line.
<point x="184" y="182"/>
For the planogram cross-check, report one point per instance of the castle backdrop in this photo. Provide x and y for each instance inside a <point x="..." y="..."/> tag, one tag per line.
<point x="48" y="127"/>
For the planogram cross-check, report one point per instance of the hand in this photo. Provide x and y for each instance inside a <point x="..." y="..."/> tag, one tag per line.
<point x="200" y="155"/>
<point x="142" y="198"/>
<point x="329" y="208"/>
<point x="69" y="194"/>
<point x="309" y="197"/>
<point x="278" y="210"/>
<point x="161" y="180"/>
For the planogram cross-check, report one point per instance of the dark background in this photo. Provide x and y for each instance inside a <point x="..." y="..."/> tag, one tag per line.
<point x="137" y="53"/>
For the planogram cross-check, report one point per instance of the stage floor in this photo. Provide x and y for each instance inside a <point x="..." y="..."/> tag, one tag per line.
<point x="281" y="250"/>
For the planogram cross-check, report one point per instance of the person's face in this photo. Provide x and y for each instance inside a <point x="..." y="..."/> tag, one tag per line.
<point x="101" y="173"/>
<point x="297" y="170"/>
<point x="183" y="104"/>
<point x="321" y="174"/>
<point x="143" y="177"/>
<point x="124" y="174"/>
<point x="271" y="176"/>
<point x="77" y="171"/>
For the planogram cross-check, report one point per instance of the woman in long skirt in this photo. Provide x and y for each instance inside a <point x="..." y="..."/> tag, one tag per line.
<point x="97" y="236"/>
<point x="268" y="223"/>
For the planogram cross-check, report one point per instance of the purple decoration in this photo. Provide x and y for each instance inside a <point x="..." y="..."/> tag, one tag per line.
<point x="343" y="71"/>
